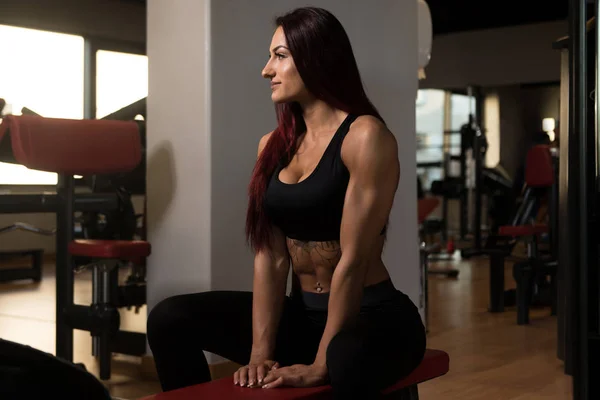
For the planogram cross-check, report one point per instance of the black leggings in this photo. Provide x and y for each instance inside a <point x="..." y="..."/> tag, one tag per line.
<point x="386" y="343"/>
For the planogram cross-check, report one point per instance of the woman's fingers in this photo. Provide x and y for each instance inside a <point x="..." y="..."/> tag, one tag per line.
<point x="276" y="383"/>
<point x="255" y="375"/>
<point x="260" y="374"/>
<point x="243" y="376"/>
<point x="272" y="376"/>
<point x="251" y="375"/>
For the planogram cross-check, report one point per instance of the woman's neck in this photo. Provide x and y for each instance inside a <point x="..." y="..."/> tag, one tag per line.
<point x="320" y="118"/>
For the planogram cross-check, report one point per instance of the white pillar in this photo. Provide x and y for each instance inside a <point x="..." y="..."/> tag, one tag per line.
<point x="208" y="106"/>
<point x="178" y="148"/>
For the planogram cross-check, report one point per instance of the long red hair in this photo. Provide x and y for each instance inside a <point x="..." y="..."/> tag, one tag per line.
<point x="325" y="61"/>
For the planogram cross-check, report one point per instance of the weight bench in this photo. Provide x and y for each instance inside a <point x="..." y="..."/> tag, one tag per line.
<point x="540" y="176"/>
<point x="83" y="147"/>
<point x="435" y="364"/>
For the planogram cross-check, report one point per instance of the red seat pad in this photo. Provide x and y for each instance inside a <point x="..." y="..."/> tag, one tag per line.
<point x="130" y="250"/>
<point x="435" y="363"/>
<point x="425" y="206"/>
<point x="523" y="230"/>
<point x="69" y="146"/>
<point x="539" y="171"/>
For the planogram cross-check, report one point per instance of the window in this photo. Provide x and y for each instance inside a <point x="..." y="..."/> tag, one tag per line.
<point x="430" y="134"/>
<point x="121" y="79"/>
<point x="42" y="71"/>
<point x="46" y="74"/>
<point x="461" y="106"/>
<point x="491" y="112"/>
<point x="440" y="115"/>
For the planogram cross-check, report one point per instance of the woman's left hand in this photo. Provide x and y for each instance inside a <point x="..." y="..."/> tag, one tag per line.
<point x="297" y="375"/>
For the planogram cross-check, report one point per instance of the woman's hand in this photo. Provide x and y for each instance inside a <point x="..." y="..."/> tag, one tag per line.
<point x="252" y="375"/>
<point x="297" y="375"/>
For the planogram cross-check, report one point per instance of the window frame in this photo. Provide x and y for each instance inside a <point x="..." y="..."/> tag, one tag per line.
<point x="91" y="45"/>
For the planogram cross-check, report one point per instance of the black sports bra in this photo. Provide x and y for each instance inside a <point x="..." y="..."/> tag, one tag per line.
<point x="311" y="210"/>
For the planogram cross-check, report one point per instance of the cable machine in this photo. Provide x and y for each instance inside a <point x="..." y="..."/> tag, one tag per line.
<point x="579" y="201"/>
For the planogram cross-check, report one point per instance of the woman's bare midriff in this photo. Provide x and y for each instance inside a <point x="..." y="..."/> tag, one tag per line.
<point x="314" y="264"/>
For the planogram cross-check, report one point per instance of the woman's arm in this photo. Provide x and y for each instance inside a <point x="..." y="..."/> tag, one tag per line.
<point x="271" y="268"/>
<point x="370" y="153"/>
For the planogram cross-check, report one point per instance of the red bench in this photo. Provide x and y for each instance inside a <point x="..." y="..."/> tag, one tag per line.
<point x="435" y="363"/>
<point x="540" y="177"/>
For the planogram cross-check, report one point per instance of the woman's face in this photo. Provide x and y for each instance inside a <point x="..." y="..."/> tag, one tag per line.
<point x="286" y="83"/>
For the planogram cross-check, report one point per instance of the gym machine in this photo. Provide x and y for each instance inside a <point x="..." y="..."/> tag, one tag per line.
<point x="454" y="187"/>
<point x="579" y="200"/>
<point x="106" y="218"/>
<point x="106" y="213"/>
<point x="479" y="149"/>
<point x="488" y="181"/>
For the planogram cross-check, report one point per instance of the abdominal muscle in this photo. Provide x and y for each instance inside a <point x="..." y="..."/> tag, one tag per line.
<point x="314" y="264"/>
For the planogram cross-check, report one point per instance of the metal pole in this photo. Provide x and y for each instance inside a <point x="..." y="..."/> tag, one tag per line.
<point x="89" y="77"/>
<point x="64" y="270"/>
<point x="578" y="211"/>
<point x="477" y="151"/>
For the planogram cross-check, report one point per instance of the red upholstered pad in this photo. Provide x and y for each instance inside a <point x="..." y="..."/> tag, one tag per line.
<point x="436" y="363"/>
<point x="224" y="389"/>
<point x="425" y="206"/>
<point x="539" y="171"/>
<point x="523" y="230"/>
<point x="73" y="146"/>
<point x="130" y="250"/>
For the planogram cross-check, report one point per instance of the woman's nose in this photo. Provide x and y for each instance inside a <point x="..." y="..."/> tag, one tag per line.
<point x="267" y="71"/>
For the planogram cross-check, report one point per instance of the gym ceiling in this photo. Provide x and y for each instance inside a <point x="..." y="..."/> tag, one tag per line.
<point x="449" y="16"/>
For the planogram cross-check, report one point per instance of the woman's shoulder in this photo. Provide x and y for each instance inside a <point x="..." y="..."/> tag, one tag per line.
<point x="263" y="142"/>
<point x="368" y="133"/>
<point x="367" y="122"/>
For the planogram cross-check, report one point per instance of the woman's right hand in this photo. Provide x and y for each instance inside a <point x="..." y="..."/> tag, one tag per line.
<point x="252" y="375"/>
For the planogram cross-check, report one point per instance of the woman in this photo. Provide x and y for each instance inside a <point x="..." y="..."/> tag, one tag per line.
<point x="319" y="199"/>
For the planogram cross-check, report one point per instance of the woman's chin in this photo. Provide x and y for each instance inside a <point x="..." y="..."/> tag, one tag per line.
<point x="277" y="99"/>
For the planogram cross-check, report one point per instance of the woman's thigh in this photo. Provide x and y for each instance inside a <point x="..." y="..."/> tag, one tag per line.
<point x="381" y="348"/>
<point x="220" y="322"/>
<point x="299" y="335"/>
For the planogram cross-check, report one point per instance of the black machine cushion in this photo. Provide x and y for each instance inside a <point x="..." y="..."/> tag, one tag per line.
<point x="27" y="373"/>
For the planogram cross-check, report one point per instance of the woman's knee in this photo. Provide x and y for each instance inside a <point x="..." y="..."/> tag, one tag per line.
<point x="164" y="318"/>
<point x="359" y="366"/>
<point x="345" y="358"/>
<point x="350" y="374"/>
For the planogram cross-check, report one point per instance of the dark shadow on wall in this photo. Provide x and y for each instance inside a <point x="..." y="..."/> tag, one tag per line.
<point x="522" y="109"/>
<point x="161" y="182"/>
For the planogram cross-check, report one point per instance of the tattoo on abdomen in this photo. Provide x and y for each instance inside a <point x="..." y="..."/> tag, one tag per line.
<point x="327" y="253"/>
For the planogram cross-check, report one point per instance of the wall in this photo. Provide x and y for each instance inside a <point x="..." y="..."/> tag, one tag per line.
<point x="540" y="102"/>
<point x="513" y="136"/>
<point x="106" y="19"/>
<point x="494" y="57"/>
<point x="178" y="148"/>
<point x="521" y="110"/>
<point x="209" y="106"/>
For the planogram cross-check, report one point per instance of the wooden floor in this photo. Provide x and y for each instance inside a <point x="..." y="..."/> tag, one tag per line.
<point x="491" y="357"/>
